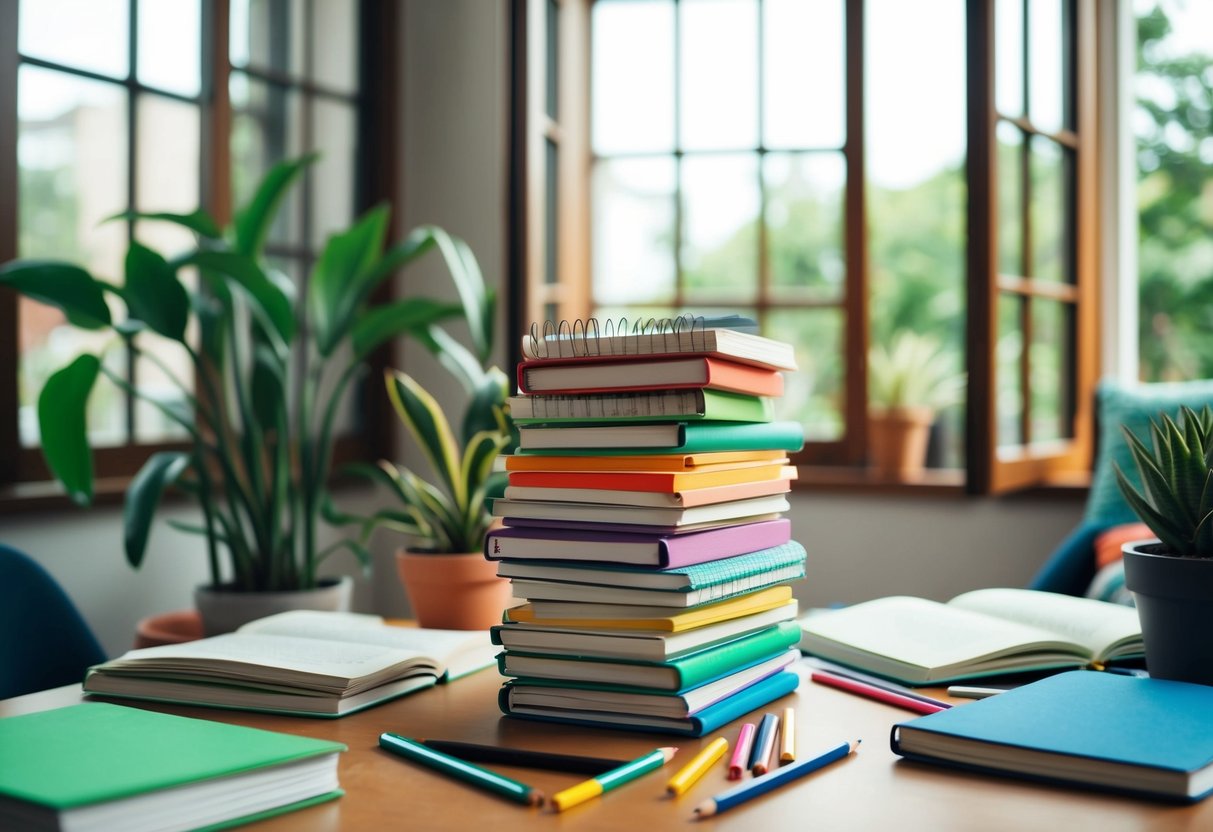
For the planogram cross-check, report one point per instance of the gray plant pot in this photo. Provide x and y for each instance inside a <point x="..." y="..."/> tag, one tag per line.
<point x="1175" y="604"/>
<point x="223" y="610"/>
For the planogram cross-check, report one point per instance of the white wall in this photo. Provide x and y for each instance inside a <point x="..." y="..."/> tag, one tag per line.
<point x="454" y="175"/>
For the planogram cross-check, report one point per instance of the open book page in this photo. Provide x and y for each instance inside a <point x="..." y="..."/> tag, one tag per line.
<point x="917" y="633"/>
<point x="1105" y="630"/>
<point x="458" y="651"/>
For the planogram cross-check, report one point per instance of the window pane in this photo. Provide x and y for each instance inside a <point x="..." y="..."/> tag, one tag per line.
<point x="803" y="74"/>
<point x="632" y="76"/>
<point x="633" y="231"/>
<point x="804" y="217"/>
<point x="1051" y="221"/>
<point x="1009" y="352"/>
<point x="1046" y="78"/>
<point x="334" y="130"/>
<point x="268" y="34"/>
<point x="335" y="44"/>
<point x="168" y="165"/>
<point x="93" y="36"/>
<point x="720" y="220"/>
<point x="551" y="210"/>
<point x="814" y="393"/>
<point x="266" y="128"/>
<point x="1010" y="199"/>
<point x="1008" y="45"/>
<point x="718" y="68"/>
<point x="71" y="153"/>
<point x="1052" y="370"/>
<point x="551" y="70"/>
<point x="169" y="45"/>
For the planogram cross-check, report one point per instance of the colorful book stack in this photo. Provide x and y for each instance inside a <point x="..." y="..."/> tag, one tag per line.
<point x="643" y="530"/>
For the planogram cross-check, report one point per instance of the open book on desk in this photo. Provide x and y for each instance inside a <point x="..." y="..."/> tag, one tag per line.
<point x="301" y="662"/>
<point x="979" y="633"/>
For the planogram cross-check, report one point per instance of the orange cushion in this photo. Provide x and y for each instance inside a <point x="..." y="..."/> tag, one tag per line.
<point x="1108" y="544"/>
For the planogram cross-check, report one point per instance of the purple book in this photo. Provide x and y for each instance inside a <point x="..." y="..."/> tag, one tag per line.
<point x="646" y="548"/>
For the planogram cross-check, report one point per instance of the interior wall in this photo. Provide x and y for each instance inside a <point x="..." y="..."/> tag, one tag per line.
<point x="454" y="175"/>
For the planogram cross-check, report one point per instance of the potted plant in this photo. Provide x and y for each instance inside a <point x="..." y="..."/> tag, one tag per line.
<point x="271" y="367"/>
<point x="1172" y="577"/>
<point x="909" y="382"/>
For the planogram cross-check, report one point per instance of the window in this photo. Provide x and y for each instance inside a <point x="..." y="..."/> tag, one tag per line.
<point x="165" y="105"/>
<point x="840" y="171"/>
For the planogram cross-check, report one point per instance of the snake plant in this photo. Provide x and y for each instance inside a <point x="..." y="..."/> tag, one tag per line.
<point x="1176" y="495"/>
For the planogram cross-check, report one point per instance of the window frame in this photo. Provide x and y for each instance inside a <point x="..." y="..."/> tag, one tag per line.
<point x="25" y="480"/>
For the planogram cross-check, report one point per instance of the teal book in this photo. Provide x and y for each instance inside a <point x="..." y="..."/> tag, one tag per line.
<point x="102" y="766"/>
<point x="1147" y="737"/>
<point x="659" y="438"/>
<point x="683" y="673"/>
<point x="666" y="405"/>
<point x="517" y="700"/>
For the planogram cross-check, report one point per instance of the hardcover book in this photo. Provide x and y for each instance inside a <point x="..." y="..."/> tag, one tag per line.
<point x="644" y="373"/>
<point x="677" y="405"/>
<point x="631" y="617"/>
<point x="103" y="766"/>
<point x="1142" y="736"/>
<point x="677" y="462"/>
<point x="670" y="437"/>
<point x="669" y="518"/>
<point x="657" y="499"/>
<point x="979" y="633"/>
<point x="669" y="337"/>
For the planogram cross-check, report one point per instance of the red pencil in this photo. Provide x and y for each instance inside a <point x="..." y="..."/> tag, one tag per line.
<point x="879" y="694"/>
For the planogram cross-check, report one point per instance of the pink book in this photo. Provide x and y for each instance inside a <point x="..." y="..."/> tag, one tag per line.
<point x="661" y="551"/>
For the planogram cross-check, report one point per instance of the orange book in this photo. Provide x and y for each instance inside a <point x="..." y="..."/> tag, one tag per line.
<point x="657" y="462"/>
<point x="640" y="373"/>
<point x="666" y="482"/>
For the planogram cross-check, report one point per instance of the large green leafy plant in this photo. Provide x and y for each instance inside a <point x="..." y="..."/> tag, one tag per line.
<point x="272" y="365"/>
<point x="1176" y="495"/>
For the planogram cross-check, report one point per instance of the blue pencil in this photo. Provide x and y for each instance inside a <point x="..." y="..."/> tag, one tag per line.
<point x="764" y="744"/>
<point x="761" y="785"/>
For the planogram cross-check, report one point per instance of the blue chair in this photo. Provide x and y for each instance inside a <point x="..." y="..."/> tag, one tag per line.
<point x="1071" y="567"/>
<point x="44" y="641"/>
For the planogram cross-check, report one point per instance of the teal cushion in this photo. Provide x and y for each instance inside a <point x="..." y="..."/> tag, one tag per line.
<point x="1132" y="405"/>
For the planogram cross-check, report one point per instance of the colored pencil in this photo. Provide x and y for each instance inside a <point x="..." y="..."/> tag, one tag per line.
<point x="469" y="773"/>
<point x="522" y="758"/>
<point x="588" y="789"/>
<point x="689" y="774"/>
<point x="741" y="752"/>
<point x="879" y="694"/>
<point x="787" y="736"/>
<point x="761" y="785"/>
<point x="764" y="745"/>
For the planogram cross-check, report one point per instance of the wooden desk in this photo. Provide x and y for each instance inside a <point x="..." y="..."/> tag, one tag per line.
<point x="874" y="789"/>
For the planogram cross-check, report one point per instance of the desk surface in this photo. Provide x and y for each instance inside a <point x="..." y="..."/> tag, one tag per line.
<point x="873" y="789"/>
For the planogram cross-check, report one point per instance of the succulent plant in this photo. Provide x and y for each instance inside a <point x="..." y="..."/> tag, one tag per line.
<point x="1176" y="497"/>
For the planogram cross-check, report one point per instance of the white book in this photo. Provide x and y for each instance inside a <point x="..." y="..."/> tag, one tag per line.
<point x="654" y="499"/>
<point x="641" y="515"/>
<point x="530" y="590"/>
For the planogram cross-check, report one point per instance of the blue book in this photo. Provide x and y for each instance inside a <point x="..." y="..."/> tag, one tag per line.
<point x="1106" y="731"/>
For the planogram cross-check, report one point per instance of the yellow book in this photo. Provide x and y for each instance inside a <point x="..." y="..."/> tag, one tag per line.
<point x="631" y="617"/>
<point x="714" y="461"/>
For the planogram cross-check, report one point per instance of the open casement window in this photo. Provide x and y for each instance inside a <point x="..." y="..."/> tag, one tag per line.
<point x="165" y="106"/>
<point x="1032" y="271"/>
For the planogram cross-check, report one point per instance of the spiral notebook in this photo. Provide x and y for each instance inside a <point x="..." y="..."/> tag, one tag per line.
<point x="589" y="339"/>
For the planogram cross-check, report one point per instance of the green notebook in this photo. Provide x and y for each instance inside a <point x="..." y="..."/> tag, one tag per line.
<point x="102" y="766"/>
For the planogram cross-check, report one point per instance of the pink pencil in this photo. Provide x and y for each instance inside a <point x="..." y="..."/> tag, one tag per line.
<point x="741" y="752"/>
<point x="879" y="694"/>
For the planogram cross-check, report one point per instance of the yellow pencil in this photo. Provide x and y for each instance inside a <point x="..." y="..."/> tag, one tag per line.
<point x="692" y="771"/>
<point x="787" y="740"/>
<point x="608" y="780"/>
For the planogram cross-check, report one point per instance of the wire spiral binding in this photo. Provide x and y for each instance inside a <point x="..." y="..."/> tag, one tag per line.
<point x="588" y="337"/>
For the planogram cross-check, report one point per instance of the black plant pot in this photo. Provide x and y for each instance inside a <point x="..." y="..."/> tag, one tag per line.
<point x="1175" y="604"/>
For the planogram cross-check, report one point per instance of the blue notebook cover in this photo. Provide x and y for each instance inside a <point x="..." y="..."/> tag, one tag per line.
<point x="1126" y="734"/>
<point x="708" y="720"/>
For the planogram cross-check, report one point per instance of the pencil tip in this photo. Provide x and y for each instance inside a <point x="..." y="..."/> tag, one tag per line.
<point x="668" y="752"/>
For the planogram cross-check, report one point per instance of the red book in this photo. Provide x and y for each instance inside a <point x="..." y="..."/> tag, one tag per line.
<point x="646" y="373"/>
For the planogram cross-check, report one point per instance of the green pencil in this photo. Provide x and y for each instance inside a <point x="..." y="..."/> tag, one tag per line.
<point x="461" y="769"/>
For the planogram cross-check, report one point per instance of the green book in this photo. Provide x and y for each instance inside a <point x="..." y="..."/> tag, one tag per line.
<point x="681" y="674"/>
<point x="97" y="765"/>
<point x="662" y="437"/>
<point x="668" y="405"/>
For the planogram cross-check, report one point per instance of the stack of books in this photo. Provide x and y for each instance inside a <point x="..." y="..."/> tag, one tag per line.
<point x="643" y="531"/>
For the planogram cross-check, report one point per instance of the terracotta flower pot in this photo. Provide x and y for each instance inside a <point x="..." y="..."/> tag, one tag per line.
<point x="453" y="592"/>
<point x="223" y="610"/>
<point x="897" y="440"/>
<point x="1174" y="597"/>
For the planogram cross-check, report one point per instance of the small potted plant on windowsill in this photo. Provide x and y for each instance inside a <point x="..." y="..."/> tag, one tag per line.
<point x="909" y="382"/>
<point x="271" y="365"/>
<point x="1172" y="577"/>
